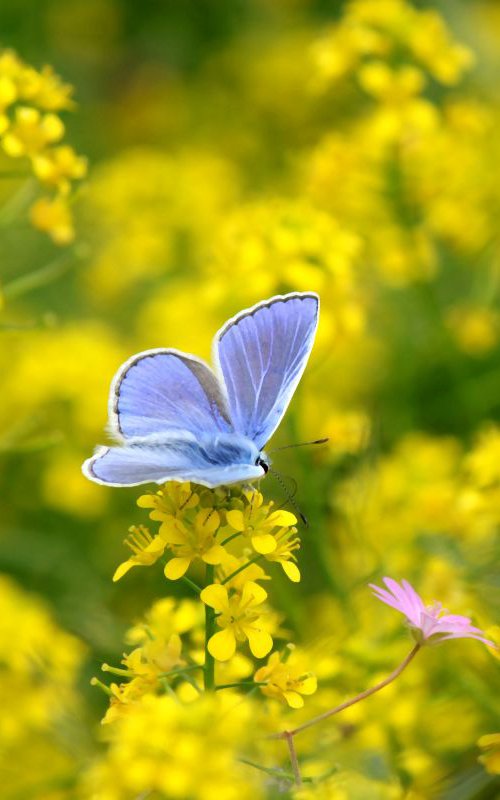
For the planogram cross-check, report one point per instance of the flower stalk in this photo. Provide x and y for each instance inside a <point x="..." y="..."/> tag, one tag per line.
<point x="209" y="673"/>
<point x="361" y="696"/>
<point x="289" y="735"/>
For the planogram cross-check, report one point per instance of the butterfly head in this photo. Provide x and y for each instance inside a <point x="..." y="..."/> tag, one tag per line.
<point x="263" y="461"/>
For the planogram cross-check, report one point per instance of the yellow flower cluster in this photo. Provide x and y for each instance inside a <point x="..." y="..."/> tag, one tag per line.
<point x="159" y="689"/>
<point x="39" y="664"/>
<point x="31" y="128"/>
<point x="374" y="32"/>
<point x="157" y="661"/>
<point x="491" y="757"/>
<point x="175" y="750"/>
<point x="233" y="532"/>
<point x="281" y="677"/>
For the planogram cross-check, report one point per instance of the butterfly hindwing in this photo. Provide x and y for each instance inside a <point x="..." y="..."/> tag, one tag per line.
<point x="261" y="354"/>
<point x="210" y="460"/>
<point x="165" y="390"/>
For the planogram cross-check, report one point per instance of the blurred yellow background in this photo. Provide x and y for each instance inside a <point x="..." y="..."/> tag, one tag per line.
<point x="235" y="151"/>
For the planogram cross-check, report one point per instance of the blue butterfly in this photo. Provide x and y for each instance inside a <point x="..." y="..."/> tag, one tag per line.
<point x="177" y="420"/>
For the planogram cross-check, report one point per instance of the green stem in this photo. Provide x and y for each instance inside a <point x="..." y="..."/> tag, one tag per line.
<point x="240" y="569"/>
<point x="276" y="773"/>
<point x="209" y="632"/>
<point x="235" y="685"/>
<point x="230" y="538"/>
<point x="181" y="670"/>
<point x="194" y="586"/>
<point x="40" y="277"/>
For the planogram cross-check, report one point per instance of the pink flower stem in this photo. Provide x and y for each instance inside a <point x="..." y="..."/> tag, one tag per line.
<point x="294" y="761"/>
<point x="395" y="674"/>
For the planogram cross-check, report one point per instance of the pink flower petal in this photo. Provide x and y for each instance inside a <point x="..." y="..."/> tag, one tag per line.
<point x="430" y="621"/>
<point x="405" y="603"/>
<point x="414" y="598"/>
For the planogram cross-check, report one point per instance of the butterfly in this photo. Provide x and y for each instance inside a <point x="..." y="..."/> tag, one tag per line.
<point x="177" y="420"/>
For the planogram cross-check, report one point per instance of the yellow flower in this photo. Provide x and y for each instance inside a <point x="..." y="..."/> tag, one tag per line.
<point x="171" y="501"/>
<point x="57" y="167"/>
<point x="393" y="86"/>
<point x="286" y="543"/>
<point x="239" y="620"/>
<point x="491" y="758"/>
<point x="146" y="549"/>
<point x="45" y="89"/>
<point x="258" y="522"/>
<point x="166" y="617"/>
<point x="8" y="94"/>
<point x="155" y="656"/>
<point x="474" y="329"/>
<point x="483" y="461"/>
<point x="54" y="217"/>
<point x="284" y="682"/>
<point x="192" y="540"/>
<point x="31" y="132"/>
<point x="231" y="564"/>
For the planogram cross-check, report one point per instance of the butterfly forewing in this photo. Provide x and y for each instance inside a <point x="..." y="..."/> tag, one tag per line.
<point x="262" y="354"/>
<point x="165" y="390"/>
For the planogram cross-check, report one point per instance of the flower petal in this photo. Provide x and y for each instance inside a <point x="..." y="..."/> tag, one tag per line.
<point x="291" y="570"/>
<point x="260" y="641"/>
<point x="222" y="645"/>
<point x="122" y="569"/>
<point x="236" y="519"/>
<point x="309" y="685"/>
<point x="176" y="568"/>
<point x="215" y="596"/>
<point x="253" y="594"/>
<point x="293" y="699"/>
<point x="282" y="517"/>
<point x="215" y="555"/>
<point x="173" y="532"/>
<point x="147" y="501"/>
<point x="264" y="543"/>
<point x="208" y="519"/>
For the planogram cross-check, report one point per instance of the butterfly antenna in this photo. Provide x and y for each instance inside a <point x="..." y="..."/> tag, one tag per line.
<point x="299" y="444"/>
<point x="289" y="497"/>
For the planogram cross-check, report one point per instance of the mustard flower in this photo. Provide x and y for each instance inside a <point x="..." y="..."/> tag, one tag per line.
<point x="233" y="564"/>
<point x="491" y="758"/>
<point x="195" y="540"/>
<point x="8" y="95"/>
<point x="171" y="501"/>
<point x="59" y="166"/>
<point x="426" y="622"/>
<point x="146" y="550"/>
<point x="166" y="749"/>
<point x="53" y="216"/>
<point x="285" y="682"/>
<point x="239" y="619"/>
<point x="166" y="617"/>
<point x="45" y="89"/>
<point x="155" y="656"/>
<point x="286" y="544"/>
<point x="259" y="522"/>
<point x="31" y="132"/>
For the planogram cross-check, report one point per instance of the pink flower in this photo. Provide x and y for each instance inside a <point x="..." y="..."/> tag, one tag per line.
<point x="426" y="622"/>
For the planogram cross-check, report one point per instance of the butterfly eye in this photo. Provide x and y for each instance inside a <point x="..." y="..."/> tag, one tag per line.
<point x="261" y="463"/>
